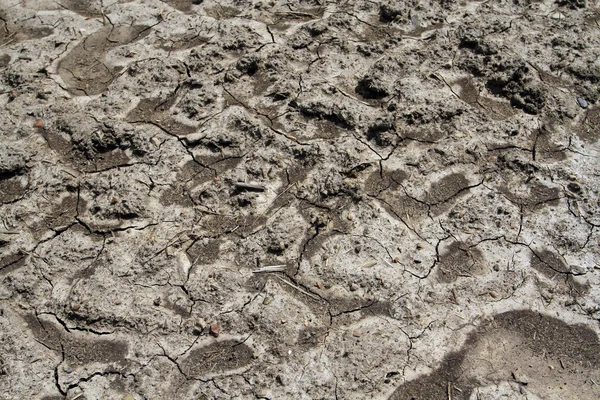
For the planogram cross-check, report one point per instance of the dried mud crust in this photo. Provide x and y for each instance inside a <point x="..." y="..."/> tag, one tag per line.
<point x="299" y="200"/>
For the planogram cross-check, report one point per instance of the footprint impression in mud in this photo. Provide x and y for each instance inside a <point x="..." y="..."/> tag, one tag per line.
<point x="535" y="353"/>
<point x="85" y="70"/>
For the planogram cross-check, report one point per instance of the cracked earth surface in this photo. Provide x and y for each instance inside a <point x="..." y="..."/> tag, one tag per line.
<point x="299" y="200"/>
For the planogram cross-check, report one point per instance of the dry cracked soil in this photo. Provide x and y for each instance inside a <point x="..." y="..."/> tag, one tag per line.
<point x="306" y="199"/>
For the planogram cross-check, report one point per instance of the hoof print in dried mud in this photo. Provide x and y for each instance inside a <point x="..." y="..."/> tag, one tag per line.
<point x="86" y="8"/>
<point x="13" y="175"/>
<point x="11" y="262"/>
<point x="540" y="354"/>
<point x="183" y="5"/>
<point x="552" y="266"/>
<point x="299" y="200"/>
<point x="459" y="260"/>
<point x="16" y="27"/>
<point x="217" y="358"/>
<point x="85" y="69"/>
<point x="76" y="347"/>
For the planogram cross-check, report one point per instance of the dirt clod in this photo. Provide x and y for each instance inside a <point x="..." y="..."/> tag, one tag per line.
<point x="215" y="330"/>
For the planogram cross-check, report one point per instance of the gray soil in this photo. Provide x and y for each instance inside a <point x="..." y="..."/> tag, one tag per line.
<point x="299" y="200"/>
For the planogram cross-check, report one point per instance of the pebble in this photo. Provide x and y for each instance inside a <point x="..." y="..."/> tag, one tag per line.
<point x="582" y="103"/>
<point x="282" y="380"/>
<point x="520" y="378"/>
<point x="39" y="123"/>
<point x="267" y="301"/>
<point x="215" y="330"/>
<point x="354" y="287"/>
<point x="128" y="397"/>
<point x="350" y="216"/>
<point x="356" y="334"/>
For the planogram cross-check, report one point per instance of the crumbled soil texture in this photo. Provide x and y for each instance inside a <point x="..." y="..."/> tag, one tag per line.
<point x="313" y="199"/>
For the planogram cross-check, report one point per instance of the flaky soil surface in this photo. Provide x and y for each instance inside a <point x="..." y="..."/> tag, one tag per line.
<point x="299" y="200"/>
